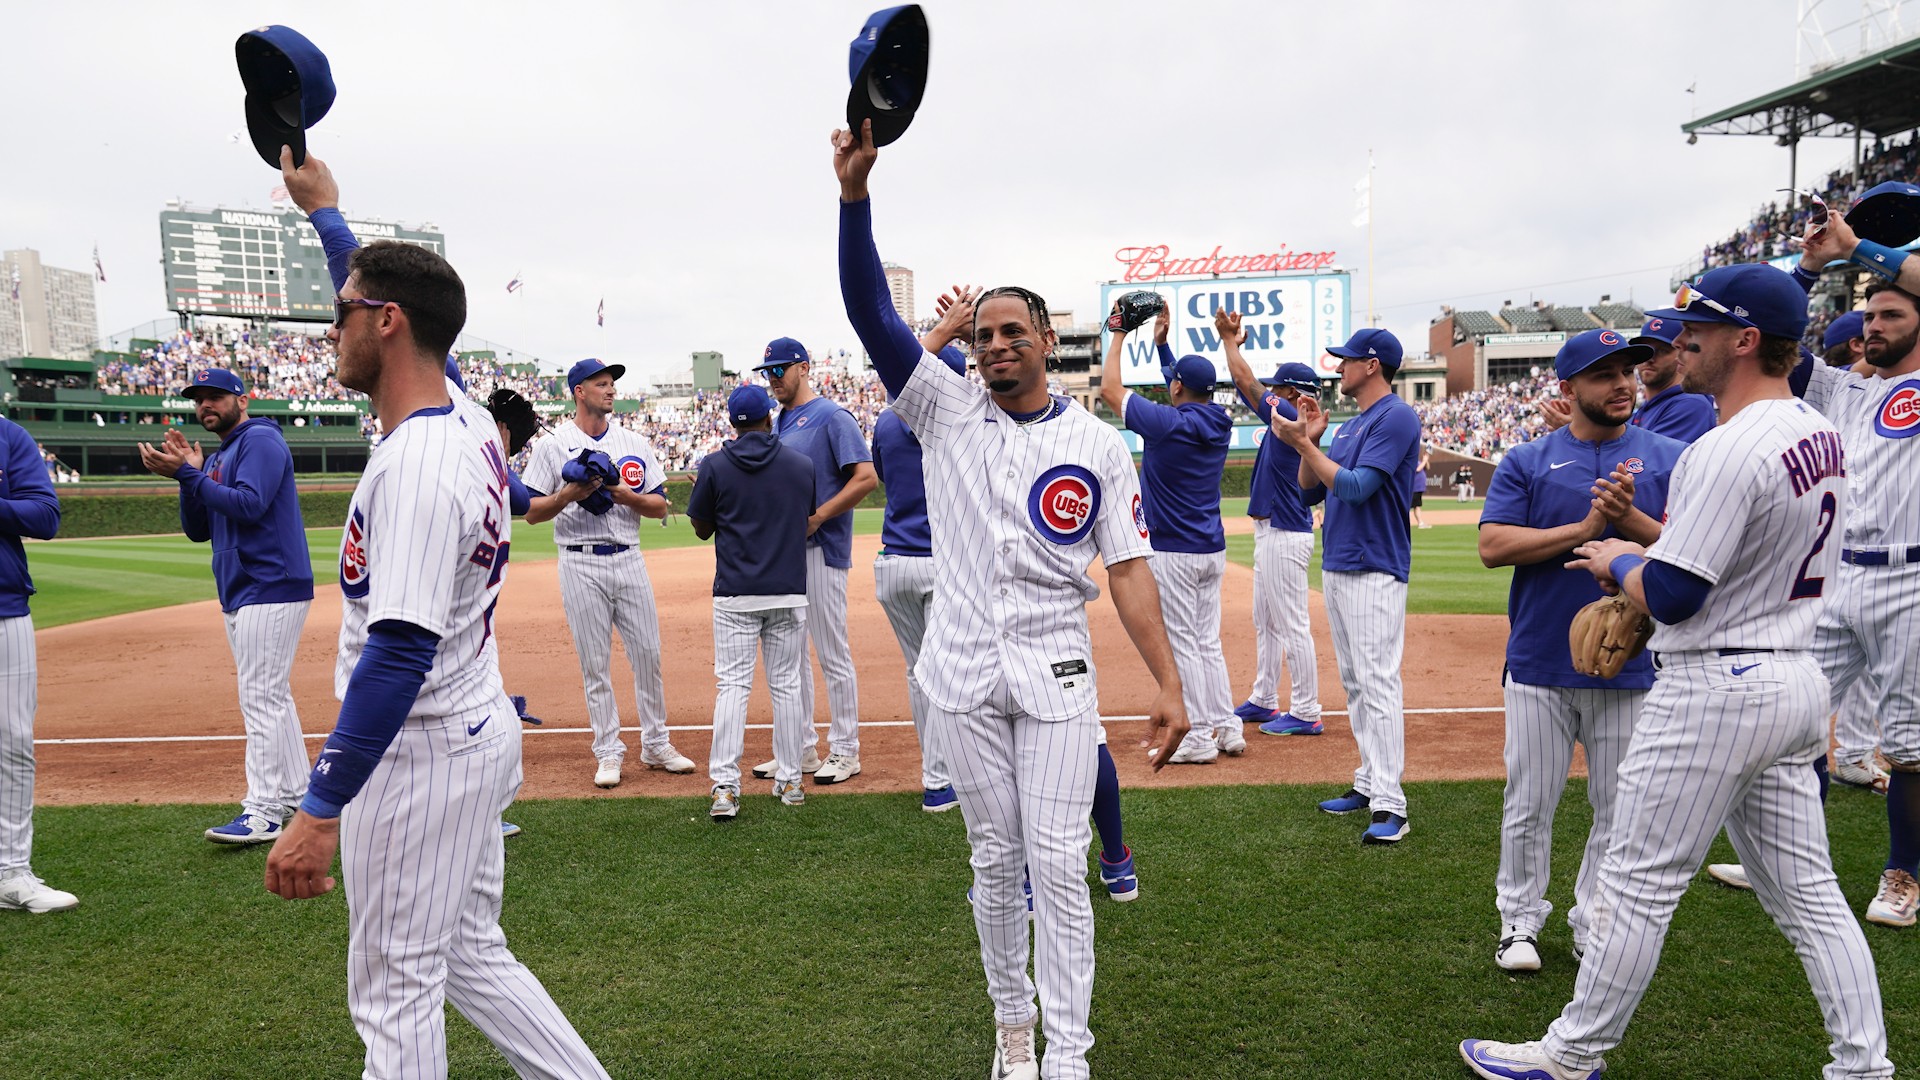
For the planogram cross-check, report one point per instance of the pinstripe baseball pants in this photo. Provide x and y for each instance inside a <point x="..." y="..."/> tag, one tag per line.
<point x="827" y="630"/>
<point x="1543" y="723"/>
<point x="1856" y="727"/>
<point x="19" y="697"/>
<point x="1367" y="613"/>
<point x="1026" y="790"/>
<point x="1869" y="627"/>
<point x="781" y="633"/>
<point x="263" y="638"/>
<point x="904" y="586"/>
<point x="1283" y="630"/>
<point x="1714" y="748"/>
<point x="424" y="866"/>
<point x="1190" y="606"/>
<point x="600" y="592"/>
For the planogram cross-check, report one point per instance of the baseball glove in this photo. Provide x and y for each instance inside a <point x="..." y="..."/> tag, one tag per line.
<point x="1134" y="310"/>
<point x="516" y="412"/>
<point x="1605" y="635"/>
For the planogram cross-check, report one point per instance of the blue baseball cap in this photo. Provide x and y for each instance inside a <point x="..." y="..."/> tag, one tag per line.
<point x="1582" y="351"/>
<point x="1746" y="294"/>
<point x="213" y="378"/>
<point x="1372" y="343"/>
<point x="748" y="404"/>
<point x="1887" y="214"/>
<point x="954" y="358"/>
<point x="887" y="64"/>
<point x="289" y="88"/>
<point x="783" y="351"/>
<point x="1297" y="375"/>
<point x="587" y="369"/>
<point x="1193" y="372"/>
<point x="1844" y="329"/>
<point x="1661" y="328"/>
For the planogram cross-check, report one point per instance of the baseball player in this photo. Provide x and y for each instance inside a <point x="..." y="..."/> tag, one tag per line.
<point x="903" y="571"/>
<point x="603" y="578"/>
<point x="426" y="752"/>
<point x="843" y="475"/>
<point x="1364" y="559"/>
<point x="1844" y="344"/>
<point x="1668" y="409"/>
<point x="1282" y="548"/>
<point x="754" y="499"/>
<point x="1738" y="706"/>
<point x="1420" y="488"/>
<point x="1183" y="451"/>
<point x="1463" y="483"/>
<point x="1873" y="615"/>
<point x="243" y="498"/>
<point x="1024" y="489"/>
<point x="28" y="508"/>
<point x="1596" y="478"/>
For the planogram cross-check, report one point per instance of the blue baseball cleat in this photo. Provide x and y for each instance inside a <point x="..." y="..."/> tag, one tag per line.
<point x="1386" y="829"/>
<point x="1122" y="885"/>
<point x="245" y="829"/>
<point x="1289" y="724"/>
<point x="1254" y="713"/>
<point x="1518" y="1061"/>
<point x="508" y="828"/>
<point x="1346" y="804"/>
<point x="939" y="800"/>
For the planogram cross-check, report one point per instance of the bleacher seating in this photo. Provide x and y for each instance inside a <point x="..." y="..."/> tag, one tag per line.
<point x="1571" y="319"/>
<point x="1525" y="320"/>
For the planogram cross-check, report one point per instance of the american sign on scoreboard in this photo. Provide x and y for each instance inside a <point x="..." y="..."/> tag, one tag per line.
<point x="1287" y="316"/>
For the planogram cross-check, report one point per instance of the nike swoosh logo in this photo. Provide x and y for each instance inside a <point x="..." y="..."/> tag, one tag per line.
<point x="1743" y="669"/>
<point x="1559" y="465"/>
<point x="475" y="729"/>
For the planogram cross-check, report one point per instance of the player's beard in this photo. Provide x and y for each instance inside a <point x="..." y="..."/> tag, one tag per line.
<point x="1891" y="351"/>
<point x="1602" y="415"/>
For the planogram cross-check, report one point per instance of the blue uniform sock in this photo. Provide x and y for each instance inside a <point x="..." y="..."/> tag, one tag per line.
<point x="1106" y="809"/>
<point x="1820" y="769"/>
<point x="1903" y="822"/>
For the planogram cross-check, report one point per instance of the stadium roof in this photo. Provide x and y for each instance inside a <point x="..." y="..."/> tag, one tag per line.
<point x="1878" y="94"/>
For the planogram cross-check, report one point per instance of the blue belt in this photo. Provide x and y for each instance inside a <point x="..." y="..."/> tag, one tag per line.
<point x="1880" y="556"/>
<point x="599" y="549"/>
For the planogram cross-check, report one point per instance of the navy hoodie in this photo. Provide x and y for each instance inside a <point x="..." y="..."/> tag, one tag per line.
<point x="246" y="503"/>
<point x="28" y="507"/>
<point x="757" y="494"/>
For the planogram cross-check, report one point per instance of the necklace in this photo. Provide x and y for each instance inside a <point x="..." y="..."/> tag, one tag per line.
<point x="1048" y="413"/>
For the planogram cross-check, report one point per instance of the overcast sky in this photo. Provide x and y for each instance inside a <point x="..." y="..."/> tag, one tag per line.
<point x="674" y="158"/>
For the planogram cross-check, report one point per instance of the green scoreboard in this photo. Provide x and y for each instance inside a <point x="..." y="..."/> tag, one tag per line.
<point x="259" y="263"/>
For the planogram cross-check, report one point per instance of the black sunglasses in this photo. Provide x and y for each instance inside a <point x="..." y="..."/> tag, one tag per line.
<point x="341" y="307"/>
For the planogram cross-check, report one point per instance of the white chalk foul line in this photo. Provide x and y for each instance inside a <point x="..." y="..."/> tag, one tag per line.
<point x="541" y="730"/>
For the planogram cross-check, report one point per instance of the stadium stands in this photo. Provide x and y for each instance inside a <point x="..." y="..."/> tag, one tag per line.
<point x="1486" y="423"/>
<point x="1525" y="320"/>
<point x="1478" y="323"/>
<point x="1619" y="316"/>
<point x="1570" y="319"/>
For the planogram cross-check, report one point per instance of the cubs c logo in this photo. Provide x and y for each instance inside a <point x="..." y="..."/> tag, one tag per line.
<point x="206" y="376"/>
<point x="353" y="557"/>
<point x="1899" y="416"/>
<point x="1064" y="503"/>
<point x="633" y="471"/>
<point x="1634" y="465"/>
<point x="1139" y="517"/>
<point x="1272" y="400"/>
<point x="1608" y="337"/>
<point x="1653" y="326"/>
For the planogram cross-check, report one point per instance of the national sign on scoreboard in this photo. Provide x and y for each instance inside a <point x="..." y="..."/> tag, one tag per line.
<point x="1288" y="317"/>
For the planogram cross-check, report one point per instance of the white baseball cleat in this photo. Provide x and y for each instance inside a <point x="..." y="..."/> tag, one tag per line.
<point x="1232" y="738"/>
<point x="836" y="768"/>
<point x="809" y="764"/>
<point x="1865" y="773"/>
<point x="1731" y="874"/>
<point x="667" y="758"/>
<point x="607" y="774"/>
<point x="1896" y="902"/>
<point x="1013" y="1056"/>
<point x="1195" y="751"/>
<point x="1519" y="949"/>
<point x="726" y="803"/>
<point x="21" y="891"/>
<point x="1519" y="1061"/>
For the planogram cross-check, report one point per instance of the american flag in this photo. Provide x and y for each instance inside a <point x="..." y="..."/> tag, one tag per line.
<point x="602" y="318"/>
<point x="515" y="284"/>
<point x="98" y="270"/>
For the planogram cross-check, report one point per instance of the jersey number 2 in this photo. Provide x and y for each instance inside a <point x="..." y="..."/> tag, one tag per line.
<point x="1805" y="587"/>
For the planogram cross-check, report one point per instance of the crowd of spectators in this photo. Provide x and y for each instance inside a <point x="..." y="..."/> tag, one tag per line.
<point x="684" y="432"/>
<point x="1769" y="235"/>
<point x="1487" y="423"/>
<point x="57" y="471"/>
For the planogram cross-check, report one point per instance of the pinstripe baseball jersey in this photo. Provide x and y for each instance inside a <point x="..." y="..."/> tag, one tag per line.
<point x="1878" y="418"/>
<point x="1018" y="512"/>
<point x="1756" y="507"/>
<point x="426" y="543"/>
<point x="639" y="469"/>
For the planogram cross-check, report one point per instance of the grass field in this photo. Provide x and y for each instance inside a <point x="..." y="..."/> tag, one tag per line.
<point x="88" y="579"/>
<point x="834" y="940"/>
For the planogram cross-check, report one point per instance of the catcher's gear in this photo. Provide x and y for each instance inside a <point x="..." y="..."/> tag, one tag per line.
<point x="1605" y="635"/>
<point x="516" y="413"/>
<point x="1134" y="310"/>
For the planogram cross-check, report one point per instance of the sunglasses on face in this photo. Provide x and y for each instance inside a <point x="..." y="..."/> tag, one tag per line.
<point x="1689" y="296"/>
<point x="341" y="307"/>
<point x="776" y="372"/>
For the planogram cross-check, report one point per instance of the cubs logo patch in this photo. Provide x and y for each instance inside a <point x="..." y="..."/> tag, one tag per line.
<point x="1653" y="326"/>
<point x="1609" y="338"/>
<point x="633" y="471"/>
<point x="1634" y="465"/>
<point x="1899" y="415"/>
<point x="353" y="557"/>
<point x="1139" y="517"/>
<point x="1064" y="503"/>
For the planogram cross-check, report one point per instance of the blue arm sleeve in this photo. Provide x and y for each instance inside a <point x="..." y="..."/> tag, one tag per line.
<point x="193" y="516"/>
<point x="1166" y="360"/>
<point x="1803" y="279"/>
<point x="863" y="289"/>
<point x="1356" y="485"/>
<point x="1673" y="595"/>
<point x="518" y="501"/>
<point x="338" y="240"/>
<point x="30" y="508"/>
<point x="392" y="668"/>
<point x="253" y="473"/>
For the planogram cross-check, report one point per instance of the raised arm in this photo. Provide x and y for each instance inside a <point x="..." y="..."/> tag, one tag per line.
<point x="888" y="339"/>
<point x="1227" y="325"/>
<point x="1113" y="391"/>
<point x="313" y="190"/>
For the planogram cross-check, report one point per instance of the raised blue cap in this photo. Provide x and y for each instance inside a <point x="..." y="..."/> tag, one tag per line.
<point x="289" y="88"/>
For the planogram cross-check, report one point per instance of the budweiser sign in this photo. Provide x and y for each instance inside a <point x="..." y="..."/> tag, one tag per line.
<point x="1156" y="262"/>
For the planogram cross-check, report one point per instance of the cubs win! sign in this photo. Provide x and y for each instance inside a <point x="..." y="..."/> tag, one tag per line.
<point x="1285" y="318"/>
